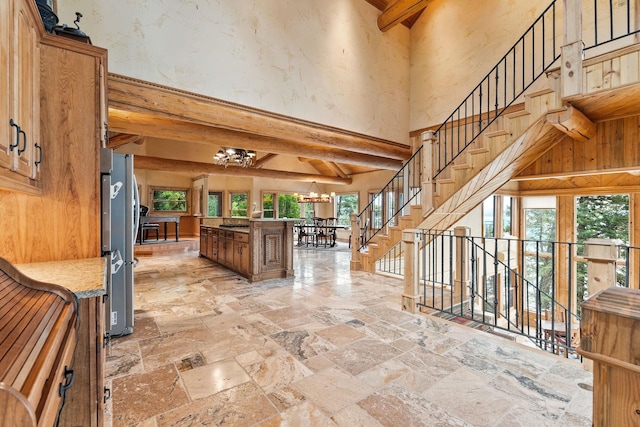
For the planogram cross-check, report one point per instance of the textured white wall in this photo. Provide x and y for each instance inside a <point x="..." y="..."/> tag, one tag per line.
<point x="454" y="44"/>
<point x="323" y="61"/>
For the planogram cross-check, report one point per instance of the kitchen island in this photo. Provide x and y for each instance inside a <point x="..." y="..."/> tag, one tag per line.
<point x="257" y="249"/>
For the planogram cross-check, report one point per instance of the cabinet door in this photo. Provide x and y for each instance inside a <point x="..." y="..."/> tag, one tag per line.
<point x="203" y="241"/>
<point x="27" y="90"/>
<point x="7" y="133"/>
<point x="241" y="257"/>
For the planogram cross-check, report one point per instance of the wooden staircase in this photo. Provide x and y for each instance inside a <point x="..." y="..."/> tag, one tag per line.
<point x="508" y="145"/>
<point x="517" y="138"/>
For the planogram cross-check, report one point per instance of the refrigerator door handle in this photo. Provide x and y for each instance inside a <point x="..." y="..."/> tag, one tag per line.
<point x="136" y="208"/>
<point x="116" y="261"/>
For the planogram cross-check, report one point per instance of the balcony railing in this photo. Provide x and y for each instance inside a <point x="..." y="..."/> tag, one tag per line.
<point x="524" y="287"/>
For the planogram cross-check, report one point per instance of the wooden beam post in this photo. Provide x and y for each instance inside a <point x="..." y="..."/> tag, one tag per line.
<point x="572" y="122"/>
<point x="462" y="275"/>
<point x="354" y="264"/>
<point x="571" y="60"/>
<point x="411" y="294"/>
<point x="428" y="139"/>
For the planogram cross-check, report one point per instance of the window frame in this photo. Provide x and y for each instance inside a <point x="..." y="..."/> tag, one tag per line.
<point x="336" y="205"/>
<point x="247" y="210"/>
<point x="151" y="201"/>
<point x="220" y="195"/>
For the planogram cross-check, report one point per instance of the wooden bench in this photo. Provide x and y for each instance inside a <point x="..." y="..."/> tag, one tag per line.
<point x="38" y="332"/>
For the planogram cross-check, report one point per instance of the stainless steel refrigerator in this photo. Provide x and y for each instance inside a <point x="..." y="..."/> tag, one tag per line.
<point x="120" y="220"/>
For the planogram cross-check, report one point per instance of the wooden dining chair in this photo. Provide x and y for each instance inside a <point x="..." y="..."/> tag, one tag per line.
<point x="146" y="227"/>
<point x="320" y="231"/>
<point x="332" y="232"/>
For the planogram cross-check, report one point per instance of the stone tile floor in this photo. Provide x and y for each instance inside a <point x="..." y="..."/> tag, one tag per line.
<point x="327" y="348"/>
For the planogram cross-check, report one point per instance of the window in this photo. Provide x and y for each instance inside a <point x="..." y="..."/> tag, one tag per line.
<point x="267" y="205"/>
<point x="488" y="217"/>
<point x="169" y="199"/>
<point x="602" y="217"/>
<point x="507" y="218"/>
<point x="214" y="203"/>
<point x="288" y="206"/>
<point x="307" y="210"/>
<point x="345" y="205"/>
<point x="239" y="204"/>
<point x="377" y="210"/>
<point x="540" y="233"/>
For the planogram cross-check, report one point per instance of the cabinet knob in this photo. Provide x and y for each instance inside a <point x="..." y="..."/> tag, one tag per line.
<point x="18" y="130"/>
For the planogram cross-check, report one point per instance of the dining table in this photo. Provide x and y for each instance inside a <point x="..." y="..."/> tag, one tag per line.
<point x="312" y="230"/>
<point x="144" y="219"/>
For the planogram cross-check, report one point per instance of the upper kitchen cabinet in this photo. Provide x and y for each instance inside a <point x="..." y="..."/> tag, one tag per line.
<point x="20" y="145"/>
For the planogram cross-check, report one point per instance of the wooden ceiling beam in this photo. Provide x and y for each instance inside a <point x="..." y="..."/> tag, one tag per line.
<point x="161" y="127"/>
<point x="398" y="11"/>
<point x="199" y="168"/>
<point x="264" y="159"/>
<point x="336" y="169"/>
<point x="123" y="139"/>
<point x="127" y="94"/>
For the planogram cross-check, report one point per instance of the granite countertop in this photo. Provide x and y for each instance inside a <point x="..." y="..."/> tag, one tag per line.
<point x="84" y="277"/>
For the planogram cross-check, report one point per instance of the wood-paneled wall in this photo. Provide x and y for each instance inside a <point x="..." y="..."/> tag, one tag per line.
<point x="614" y="147"/>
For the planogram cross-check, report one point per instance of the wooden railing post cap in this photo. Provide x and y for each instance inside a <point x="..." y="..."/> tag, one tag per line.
<point x="410" y="235"/>
<point x="428" y="135"/>
<point x="462" y="231"/>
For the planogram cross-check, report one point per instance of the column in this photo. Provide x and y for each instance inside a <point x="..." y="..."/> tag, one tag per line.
<point x="411" y="295"/>
<point x="601" y="255"/>
<point x="428" y="139"/>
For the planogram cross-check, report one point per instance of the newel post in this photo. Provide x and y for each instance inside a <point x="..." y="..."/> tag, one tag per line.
<point x="601" y="255"/>
<point x="355" y="243"/>
<point x="411" y="295"/>
<point x="462" y="276"/>
<point x="428" y="141"/>
<point x="571" y="60"/>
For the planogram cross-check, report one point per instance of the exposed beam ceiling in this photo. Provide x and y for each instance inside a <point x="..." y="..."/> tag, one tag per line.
<point x="407" y="19"/>
<point x="199" y="168"/>
<point x="121" y="139"/>
<point x="399" y="11"/>
<point x="161" y="127"/>
<point x="141" y="109"/>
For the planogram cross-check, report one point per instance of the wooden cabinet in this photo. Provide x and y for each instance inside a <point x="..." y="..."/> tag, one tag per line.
<point x="610" y="336"/>
<point x="20" y="143"/>
<point x="204" y="241"/>
<point x="86" y="399"/>
<point x="212" y="250"/>
<point x="241" y="253"/>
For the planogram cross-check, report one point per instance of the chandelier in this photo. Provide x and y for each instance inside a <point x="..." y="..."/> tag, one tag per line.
<point x="236" y="156"/>
<point x="314" y="197"/>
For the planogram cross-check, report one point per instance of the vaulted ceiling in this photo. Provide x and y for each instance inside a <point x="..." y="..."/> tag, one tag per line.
<point x="140" y="112"/>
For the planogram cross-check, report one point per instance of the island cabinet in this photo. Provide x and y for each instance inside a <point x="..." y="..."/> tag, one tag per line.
<point x="610" y="337"/>
<point x="259" y="250"/>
